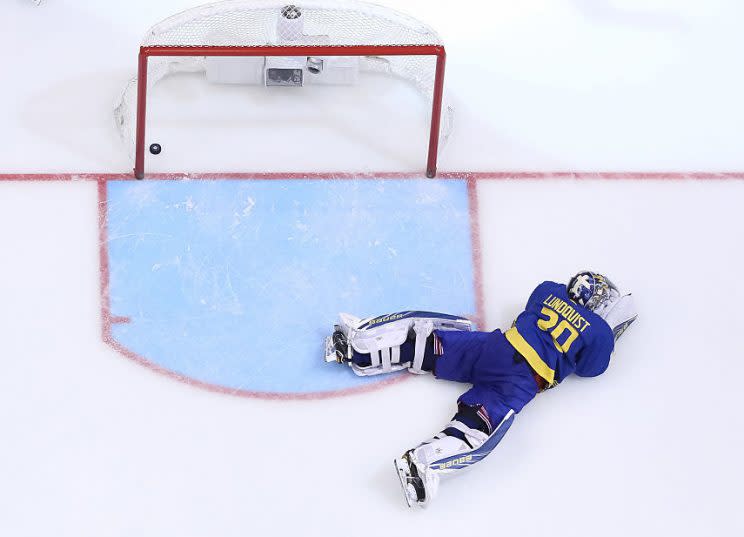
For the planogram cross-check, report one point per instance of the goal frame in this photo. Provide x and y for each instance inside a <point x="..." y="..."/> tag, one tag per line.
<point x="147" y="52"/>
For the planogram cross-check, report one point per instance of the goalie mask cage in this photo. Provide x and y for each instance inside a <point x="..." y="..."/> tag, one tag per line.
<point x="378" y="39"/>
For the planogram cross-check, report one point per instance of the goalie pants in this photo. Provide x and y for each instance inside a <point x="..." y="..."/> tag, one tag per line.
<point x="502" y="379"/>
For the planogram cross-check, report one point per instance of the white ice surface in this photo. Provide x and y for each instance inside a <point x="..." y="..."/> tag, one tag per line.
<point x="94" y="444"/>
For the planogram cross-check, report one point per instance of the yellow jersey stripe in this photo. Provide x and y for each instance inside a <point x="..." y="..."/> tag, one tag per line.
<point x="530" y="354"/>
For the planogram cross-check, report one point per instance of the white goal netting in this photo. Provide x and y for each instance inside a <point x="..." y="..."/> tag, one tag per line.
<point x="275" y="23"/>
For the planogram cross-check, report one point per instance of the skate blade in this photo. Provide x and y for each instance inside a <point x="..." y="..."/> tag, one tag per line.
<point x="402" y="469"/>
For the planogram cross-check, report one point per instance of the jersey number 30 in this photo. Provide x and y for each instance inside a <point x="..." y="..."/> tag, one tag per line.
<point x="557" y="332"/>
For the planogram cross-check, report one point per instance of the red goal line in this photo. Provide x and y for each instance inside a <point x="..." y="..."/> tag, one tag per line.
<point x="477" y="176"/>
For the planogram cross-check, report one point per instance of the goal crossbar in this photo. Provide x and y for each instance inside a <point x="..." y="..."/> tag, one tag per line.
<point x="147" y="52"/>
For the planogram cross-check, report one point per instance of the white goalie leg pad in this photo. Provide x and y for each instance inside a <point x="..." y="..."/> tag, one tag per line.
<point x="382" y="337"/>
<point x="457" y="447"/>
<point x="382" y="344"/>
<point x="423" y="329"/>
<point x="445" y="454"/>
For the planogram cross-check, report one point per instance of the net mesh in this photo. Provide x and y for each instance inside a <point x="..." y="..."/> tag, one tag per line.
<point x="276" y="23"/>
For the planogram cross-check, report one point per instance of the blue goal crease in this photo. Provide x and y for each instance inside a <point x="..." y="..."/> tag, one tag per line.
<point x="236" y="283"/>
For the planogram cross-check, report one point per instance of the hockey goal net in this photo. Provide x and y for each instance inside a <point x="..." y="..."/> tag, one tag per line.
<point x="273" y="43"/>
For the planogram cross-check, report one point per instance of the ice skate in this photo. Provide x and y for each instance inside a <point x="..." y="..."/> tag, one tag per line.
<point x="418" y="488"/>
<point x="337" y="346"/>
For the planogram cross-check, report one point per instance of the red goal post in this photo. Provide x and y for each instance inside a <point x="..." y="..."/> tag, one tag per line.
<point x="437" y="51"/>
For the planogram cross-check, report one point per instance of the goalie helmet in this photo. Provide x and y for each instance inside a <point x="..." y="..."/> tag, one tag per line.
<point x="591" y="289"/>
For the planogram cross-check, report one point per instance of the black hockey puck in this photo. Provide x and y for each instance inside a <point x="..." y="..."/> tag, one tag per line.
<point x="155" y="149"/>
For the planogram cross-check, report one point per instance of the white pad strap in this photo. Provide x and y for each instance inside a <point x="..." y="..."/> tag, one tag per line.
<point x="423" y="329"/>
<point x="385" y="358"/>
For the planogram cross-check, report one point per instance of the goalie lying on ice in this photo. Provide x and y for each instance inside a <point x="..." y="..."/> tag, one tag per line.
<point x="563" y="330"/>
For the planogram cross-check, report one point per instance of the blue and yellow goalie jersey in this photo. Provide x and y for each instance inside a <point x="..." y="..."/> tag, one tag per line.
<point x="558" y="337"/>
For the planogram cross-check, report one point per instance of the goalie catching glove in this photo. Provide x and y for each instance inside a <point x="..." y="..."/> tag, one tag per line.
<point x="379" y="340"/>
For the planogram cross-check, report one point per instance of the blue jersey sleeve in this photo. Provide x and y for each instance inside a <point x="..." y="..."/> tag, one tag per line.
<point x="593" y="361"/>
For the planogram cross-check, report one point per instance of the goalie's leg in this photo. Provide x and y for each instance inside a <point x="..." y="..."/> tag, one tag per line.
<point x="379" y="345"/>
<point x="407" y="352"/>
<point x="503" y="383"/>
<point x="467" y="439"/>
